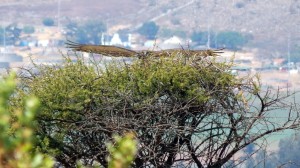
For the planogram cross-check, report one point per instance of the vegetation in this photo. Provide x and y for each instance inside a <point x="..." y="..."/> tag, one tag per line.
<point x="12" y="34"/>
<point x="228" y="39"/>
<point x="149" y="30"/>
<point x="48" y="22"/>
<point x="200" y="38"/>
<point x="231" y="40"/>
<point x="123" y="152"/>
<point x="183" y="110"/>
<point x="167" y="33"/>
<point x="295" y="53"/>
<point x="17" y="136"/>
<point x="16" y="132"/>
<point x="289" y="151"/>
<point x="28" y="29"/>
<point x="286" y="156"/>
<point x="89" y="32"/>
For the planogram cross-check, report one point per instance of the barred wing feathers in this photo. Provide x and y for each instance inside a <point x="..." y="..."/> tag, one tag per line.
<point x="102" y="49"/>
<point x="123" y="52"/>
<point x="169" y="52"/>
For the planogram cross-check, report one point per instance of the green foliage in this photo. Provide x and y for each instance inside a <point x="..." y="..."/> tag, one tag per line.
<point x="200" y="37"/>
<point x="180" y="107"/>
<point x="231" y="40"/>
<point x="48" y="22"/>
<point x="122" y="153"/>
<point x="149" y="30"/>
<point x="12" y="34"/>
<point x="28" y="29"/>
<point x="289" y="151"/>
<point x="167" y="33"/>
<point x="228" y="39"/>
<point x="83" y="105"/>
<point x="16" y="135"/>
<point x="295" y="54"/>
<point x="89" y="32"/>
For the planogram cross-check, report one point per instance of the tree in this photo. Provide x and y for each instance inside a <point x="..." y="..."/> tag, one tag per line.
<point x="288" y="153"/>
<point x="231" y="40"/>
<point x="294" y="57"/>
<point x="10" y="34"/>
<point x="16" y="136"/>
<point x="48" y="22"/>
<point x="89" y="32"/>
<point x="122" y="153"/>
<point x="28" y="29"/>
<point x="183" y="109"/>
<point x="228" y="39"/>
<point x="149" y="30"/>
<point x="200" y="38"/>
<point x="167" y="33"/>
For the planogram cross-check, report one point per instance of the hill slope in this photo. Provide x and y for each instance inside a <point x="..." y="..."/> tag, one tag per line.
<point x="270" y="22"/>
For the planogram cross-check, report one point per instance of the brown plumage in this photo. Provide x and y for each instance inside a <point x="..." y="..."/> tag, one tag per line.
<point x="123" y="52"/>
<point x="102" y="49"/>
<point x="169" y="52"/>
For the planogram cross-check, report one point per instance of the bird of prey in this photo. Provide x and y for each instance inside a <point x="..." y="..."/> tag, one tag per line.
<point x="115" y="51"/>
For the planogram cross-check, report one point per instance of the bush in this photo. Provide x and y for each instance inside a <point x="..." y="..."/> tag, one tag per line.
<point x="200" y="38"/>
<point x="228" y="39"/>
<point x="180" y="107"/>
<point x="167" y="33"/>
<point x="48" y="22"/>
<point x="88" y="32"/>
<point x="16" y="134"/>
<point x="231" y="40"/>
<point x="149" y="30"/>
<point x="28" y="29"/>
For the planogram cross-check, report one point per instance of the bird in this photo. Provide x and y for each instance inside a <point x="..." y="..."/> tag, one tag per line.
<point x="102" y="49"/>
<point x="115" y="51"/>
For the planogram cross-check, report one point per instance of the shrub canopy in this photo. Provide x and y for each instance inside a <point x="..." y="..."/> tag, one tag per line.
<point x="183" y="110"/>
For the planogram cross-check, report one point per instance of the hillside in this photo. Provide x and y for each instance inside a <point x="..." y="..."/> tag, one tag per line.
<point x="269" y="22"/>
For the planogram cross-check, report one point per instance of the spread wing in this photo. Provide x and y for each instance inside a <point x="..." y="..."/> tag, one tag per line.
<point x="169" y="52"/>
<point x="123" y="52"/>
<point x="102" y="49"/>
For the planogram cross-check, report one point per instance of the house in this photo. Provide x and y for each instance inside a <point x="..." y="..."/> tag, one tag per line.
<point x="116" y="39"/>
<point x="173" y="42"/>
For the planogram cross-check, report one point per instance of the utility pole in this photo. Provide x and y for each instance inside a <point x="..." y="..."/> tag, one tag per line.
<point x="289" y="56"/>
<point x="4" y="39"/>
<point x="58" y="13"/>
<point x="208" y="35"/>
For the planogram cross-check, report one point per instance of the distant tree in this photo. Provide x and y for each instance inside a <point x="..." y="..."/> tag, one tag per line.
<point x="231" y="40"/>
<point x="48" y="21"/>
<point x="289" y="151"/>
<point x="175" y="21"/>
<point x="295" y="54"/>
<point x="12" y="34"/>
<point x="71" y="28"/>
<point x="200" y="38"/>
<point x="167" y="33"/>
<point x="28" y="29"/>
<point x="240" y="5"/>
<point x="149" y="30"/>
<point x="88" y="32"/>
<point x="266" y="159"/>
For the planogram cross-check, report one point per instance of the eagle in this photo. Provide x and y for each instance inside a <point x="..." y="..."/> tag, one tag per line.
<point x="115" y="51"/>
